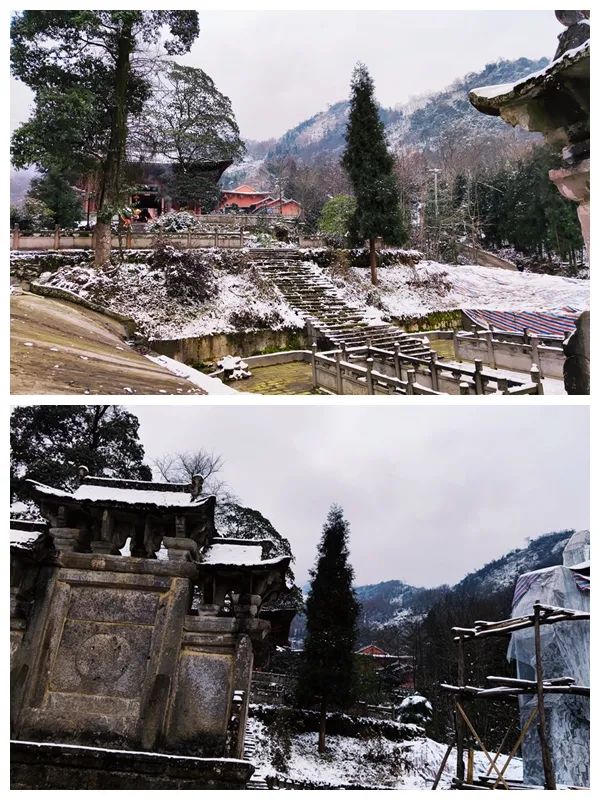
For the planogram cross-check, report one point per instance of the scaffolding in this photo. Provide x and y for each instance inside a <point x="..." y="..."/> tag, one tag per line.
<point x="506" y="688"/>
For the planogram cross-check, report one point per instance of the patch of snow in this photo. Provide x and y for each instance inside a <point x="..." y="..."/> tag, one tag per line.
<point x="410" y="291"/>
<point x="377" y="763"/>
<point x="210" y="385"/>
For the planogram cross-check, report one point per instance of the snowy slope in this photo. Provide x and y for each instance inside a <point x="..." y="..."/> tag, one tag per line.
<point x="406" y="291"/>
<point x="375" y="763"/>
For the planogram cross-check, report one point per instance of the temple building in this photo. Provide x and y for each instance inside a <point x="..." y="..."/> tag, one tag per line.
<point x="247" y="199"/>
<point x="134" y="627"/>
<point x="150" y="192"/>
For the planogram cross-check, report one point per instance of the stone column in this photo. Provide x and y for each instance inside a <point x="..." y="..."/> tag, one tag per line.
<point x="574" y="184"/>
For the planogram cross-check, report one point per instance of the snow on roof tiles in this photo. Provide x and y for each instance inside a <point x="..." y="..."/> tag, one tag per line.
<point x="100" y="494"/>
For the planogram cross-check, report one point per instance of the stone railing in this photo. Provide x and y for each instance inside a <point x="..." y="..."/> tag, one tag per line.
<point x="337" y="375"/>
<point x="132" y="240"/>
<point x="393" y="372"/>
<point x="512" y="351"/>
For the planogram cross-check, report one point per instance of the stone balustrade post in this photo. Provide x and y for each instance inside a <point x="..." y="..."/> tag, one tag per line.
<point x="478" y="377"/>
<point x="411" y="378"/>
<point x="489" y="337"/>
<point x="456" y="343"/>
<point x="338" y="373"/>
<point x="463" y="387"/>
<point x="344" y="351"/>
<point x="535" y="354"/>
<point x="313" y="360"/>
<point x="536" y="378"/>
<point x="397" y="363"/>
<point x="526" y="335"/>
<point x="370" y="376"/>
<point x="502" y="384"/>
<point x="433" y="367"/>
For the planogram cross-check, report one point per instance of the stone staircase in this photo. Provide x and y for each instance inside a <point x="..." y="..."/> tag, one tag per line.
<point x="257" y="781"/>
<point x="333" y="320"/>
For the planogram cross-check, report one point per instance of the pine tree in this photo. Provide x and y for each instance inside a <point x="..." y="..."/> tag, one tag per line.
<point x="370" y="168"/>
<point x="327" y="670"/>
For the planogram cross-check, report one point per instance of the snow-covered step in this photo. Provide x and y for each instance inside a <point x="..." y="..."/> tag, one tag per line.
<point x="311" y="294"/>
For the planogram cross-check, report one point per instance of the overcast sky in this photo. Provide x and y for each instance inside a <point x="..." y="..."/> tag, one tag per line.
<point x="281" y="67"/>
<point x="430" y="493"/>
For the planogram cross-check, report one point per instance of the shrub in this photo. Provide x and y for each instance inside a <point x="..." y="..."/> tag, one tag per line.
<point x="174" y="222"/>
<point x="250" y="319"/>
<point x="188" y="273"/>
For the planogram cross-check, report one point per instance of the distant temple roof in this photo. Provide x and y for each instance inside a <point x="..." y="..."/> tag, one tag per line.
<point x="245" y="188"/>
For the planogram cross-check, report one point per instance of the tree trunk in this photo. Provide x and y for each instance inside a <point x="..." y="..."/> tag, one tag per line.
<point x="102" y="243"/>
<point x="373" y="261"/>
<point x="322" y="725"/>
<point x="111" y="176"/>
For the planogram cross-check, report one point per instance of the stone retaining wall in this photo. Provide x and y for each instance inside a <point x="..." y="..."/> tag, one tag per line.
<point x="209" y="349"/>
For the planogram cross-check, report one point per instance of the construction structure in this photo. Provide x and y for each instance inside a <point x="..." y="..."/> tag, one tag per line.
<point x="133" y="629"/>
<point x="550" y="644"/>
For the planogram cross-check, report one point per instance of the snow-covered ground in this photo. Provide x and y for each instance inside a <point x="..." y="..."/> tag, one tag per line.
<point x="377" y="763"/>
<point x="138" y="291"/>
<point x="246" y="300"/>
<point x="406" y="291"/>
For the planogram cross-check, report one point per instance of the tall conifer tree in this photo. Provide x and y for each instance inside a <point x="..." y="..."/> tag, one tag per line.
<point x="327" y="671"/>
<point x="370" y="168"/>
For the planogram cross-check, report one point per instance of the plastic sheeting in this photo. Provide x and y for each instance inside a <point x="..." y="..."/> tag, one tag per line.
<point x="565" y="652"/>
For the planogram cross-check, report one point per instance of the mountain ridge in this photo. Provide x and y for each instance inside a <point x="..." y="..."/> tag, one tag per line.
<point x="422" y="122"/>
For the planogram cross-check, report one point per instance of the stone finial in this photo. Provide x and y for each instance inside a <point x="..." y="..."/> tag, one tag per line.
<point x="197" y="484"/>
<point x="577" y="30"/>
<point x="83" y="472"/>
<point x="568" y="18"/>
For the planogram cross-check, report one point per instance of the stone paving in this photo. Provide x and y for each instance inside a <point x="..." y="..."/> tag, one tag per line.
<point x="292" y="378"/>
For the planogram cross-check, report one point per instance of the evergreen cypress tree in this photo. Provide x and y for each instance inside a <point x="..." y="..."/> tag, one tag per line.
<point x="56" y="192"/>
<point x="327" y="671"/>
<point x="370" y="168"/>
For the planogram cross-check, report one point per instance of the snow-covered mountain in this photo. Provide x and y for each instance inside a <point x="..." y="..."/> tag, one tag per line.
<point x="396" y="604"/>
<point x="423" y="122"/>
<point x="392" y="602"/>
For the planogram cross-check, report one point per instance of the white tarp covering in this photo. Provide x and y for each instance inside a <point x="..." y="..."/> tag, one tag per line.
<point x="565" y="652"/>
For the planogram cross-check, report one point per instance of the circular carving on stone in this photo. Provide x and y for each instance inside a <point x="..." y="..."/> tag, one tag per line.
<point x="104" y="656"/>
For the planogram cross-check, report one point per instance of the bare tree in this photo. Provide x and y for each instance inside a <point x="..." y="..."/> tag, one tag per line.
<point x="181" y="467"/>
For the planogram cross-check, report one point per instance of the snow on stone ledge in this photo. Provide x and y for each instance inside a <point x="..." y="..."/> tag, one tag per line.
<point x="248" y="555"/>
<point x="210" y="385"/>
<point x="504" y="89"/>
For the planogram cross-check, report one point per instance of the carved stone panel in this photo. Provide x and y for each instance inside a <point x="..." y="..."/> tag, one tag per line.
<point x="200" y="711"/>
